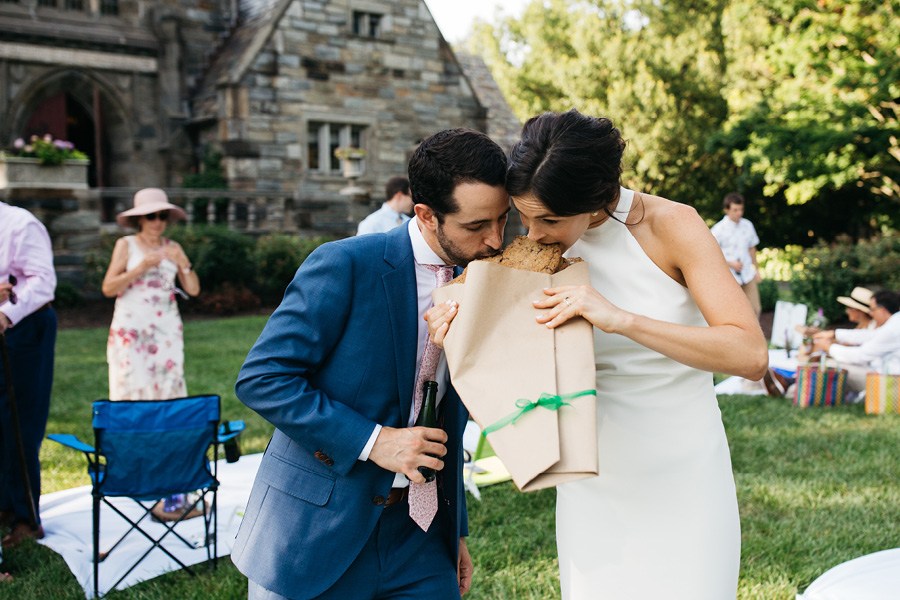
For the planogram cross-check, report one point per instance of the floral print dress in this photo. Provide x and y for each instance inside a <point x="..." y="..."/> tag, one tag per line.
<point x="145" y="348"/>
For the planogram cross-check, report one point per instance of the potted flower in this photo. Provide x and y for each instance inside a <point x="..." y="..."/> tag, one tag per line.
<point x="351" y="159"/>
<point x="43" y="162"/>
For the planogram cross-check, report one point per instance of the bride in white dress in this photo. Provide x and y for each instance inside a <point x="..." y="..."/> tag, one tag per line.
<point x="660" y="521"/>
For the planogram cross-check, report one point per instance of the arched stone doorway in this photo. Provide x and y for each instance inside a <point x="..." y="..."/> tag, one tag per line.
<point x="85" y="109"/>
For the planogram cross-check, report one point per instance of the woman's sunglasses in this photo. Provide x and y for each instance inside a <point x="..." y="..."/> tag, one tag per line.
<point x="162" y="216"/>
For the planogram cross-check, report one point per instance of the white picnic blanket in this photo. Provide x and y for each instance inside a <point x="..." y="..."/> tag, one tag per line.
<point x="67" y="520"/>
<point x="738" y="385"/>
<point x="871" y="577"/>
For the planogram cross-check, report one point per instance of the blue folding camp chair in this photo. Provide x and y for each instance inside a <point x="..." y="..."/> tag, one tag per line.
<point x="147" y="450"/>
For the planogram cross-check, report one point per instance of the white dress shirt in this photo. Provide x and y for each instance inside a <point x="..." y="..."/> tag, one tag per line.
<point x="426" y="281"/>
<point x="736" y="239"/>
<point x="855" y="337"/>
<point x="381" y="221"/>
<point x="884" y="342"/>
<point x="26" y="253"/>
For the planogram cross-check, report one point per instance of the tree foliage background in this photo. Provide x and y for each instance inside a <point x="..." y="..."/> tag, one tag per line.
<point x="794" y="103"/>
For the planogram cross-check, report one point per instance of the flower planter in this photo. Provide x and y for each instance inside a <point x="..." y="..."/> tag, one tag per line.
<point x="352" y="167"/>
<point x="17" y="172"/>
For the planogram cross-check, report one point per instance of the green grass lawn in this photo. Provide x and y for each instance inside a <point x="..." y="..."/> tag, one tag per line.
<point x="816" y="487"/>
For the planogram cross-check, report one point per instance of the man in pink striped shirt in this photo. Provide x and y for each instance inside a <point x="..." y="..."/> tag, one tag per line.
<point x="28" y="324"/>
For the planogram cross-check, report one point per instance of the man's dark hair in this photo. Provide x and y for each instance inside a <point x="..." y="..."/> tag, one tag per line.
<point x="571" y="162"/>
<point x="888" y="299"/>
<point x="394" y="185"/>
<point x="449" y="158"/>
<point x="732" y="198"/>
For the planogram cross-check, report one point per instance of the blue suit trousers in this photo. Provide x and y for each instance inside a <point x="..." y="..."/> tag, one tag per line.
<point x="31" y="344"/>
<point x="399" y="561"/>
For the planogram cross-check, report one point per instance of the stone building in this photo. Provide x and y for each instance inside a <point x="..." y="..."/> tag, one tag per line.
<point x="147" y="88"/>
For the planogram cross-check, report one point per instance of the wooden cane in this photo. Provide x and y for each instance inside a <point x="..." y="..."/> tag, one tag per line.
<point x="14" y="417"/>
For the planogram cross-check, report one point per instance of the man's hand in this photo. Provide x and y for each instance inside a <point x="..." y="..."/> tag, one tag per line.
<point x="5" y="288"/>
<point x="464" y="568"/>
<point x="4" y="323"/>
<point x="404" y="450"/>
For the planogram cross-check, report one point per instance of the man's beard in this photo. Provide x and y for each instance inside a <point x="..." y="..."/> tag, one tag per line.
<point x="455" y="254"/>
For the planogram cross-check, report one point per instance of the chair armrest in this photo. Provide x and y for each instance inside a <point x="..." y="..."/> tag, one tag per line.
<point x="69" y="440"/>
<point x="235" y="427"/>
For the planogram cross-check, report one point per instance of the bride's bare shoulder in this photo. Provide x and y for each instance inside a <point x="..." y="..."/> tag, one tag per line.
<point x="668" y="219"/>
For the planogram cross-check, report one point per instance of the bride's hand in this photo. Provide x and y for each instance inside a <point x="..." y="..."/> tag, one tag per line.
<point x="438" y="318"/>
<point x="566" y="302"/>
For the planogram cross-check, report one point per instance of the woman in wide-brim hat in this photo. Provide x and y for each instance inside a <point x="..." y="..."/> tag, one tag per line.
<point x="145" y="347"/>
<point x="857" y="308"/>
<point x="149" y="201"/>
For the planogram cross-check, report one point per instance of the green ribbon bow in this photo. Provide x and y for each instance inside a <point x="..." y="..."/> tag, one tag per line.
<point x="548" y="401"/>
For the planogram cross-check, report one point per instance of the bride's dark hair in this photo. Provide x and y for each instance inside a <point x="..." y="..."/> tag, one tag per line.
<point x="569" y="161"/>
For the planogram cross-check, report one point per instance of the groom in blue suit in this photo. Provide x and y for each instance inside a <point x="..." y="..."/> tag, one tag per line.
<point x="334" y="371"/>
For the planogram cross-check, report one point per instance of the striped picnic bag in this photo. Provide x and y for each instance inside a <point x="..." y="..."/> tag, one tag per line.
<point x="883" y="388"/>
<point x="820" y="385"/>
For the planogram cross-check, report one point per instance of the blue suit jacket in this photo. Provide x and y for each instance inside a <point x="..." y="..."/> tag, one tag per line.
<point x="336" y="357"/>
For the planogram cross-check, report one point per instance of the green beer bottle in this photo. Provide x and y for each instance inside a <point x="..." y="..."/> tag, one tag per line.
<point x="428" y="418"/>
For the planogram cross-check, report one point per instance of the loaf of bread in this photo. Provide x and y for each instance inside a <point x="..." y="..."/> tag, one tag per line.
<point x="527" y="255"/>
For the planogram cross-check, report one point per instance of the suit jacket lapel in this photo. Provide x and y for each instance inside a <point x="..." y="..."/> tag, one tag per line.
<point x="402" y="301"/>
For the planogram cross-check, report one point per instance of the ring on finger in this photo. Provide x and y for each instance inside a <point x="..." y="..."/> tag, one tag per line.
<point x="567" y="301"/>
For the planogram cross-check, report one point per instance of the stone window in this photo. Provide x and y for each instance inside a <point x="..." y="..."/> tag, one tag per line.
<point x="109" y="7"/>
<point x="367" y="24"/>
<point x="324" y="138"/>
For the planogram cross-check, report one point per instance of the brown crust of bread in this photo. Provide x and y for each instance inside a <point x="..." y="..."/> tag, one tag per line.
<point x="527" y="255"/>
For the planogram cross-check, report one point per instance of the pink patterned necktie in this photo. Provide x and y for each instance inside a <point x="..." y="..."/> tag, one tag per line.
<point x="423" y="501"/>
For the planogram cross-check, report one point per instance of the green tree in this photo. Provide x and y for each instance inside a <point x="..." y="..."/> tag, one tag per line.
<point x="793" y="102"/>
<point x="656" y="70"/>
<point x="812" y="89"/>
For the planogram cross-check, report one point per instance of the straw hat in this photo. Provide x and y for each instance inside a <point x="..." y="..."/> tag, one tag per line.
<point x="858" y="299"/>
<point x="147" y="201"/>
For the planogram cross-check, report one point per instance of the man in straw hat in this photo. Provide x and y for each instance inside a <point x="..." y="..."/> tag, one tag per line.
<point x="28" y="329"/>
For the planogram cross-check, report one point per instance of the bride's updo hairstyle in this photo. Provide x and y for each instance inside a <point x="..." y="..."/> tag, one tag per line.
<point x="570" y="162"/>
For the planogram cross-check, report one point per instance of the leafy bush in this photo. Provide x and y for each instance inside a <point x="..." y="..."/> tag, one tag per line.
<point x="277" y="258"/>
<point x="228" y="299"/>
<point x="96" y="262"/>
<point x="67" y="296"/>
<point x="828" y="271"/>
<point x="217" y="254"/>
<point x="879" y="261"/>
<point x="236" y="271"/>
<point x="779" y="264"/>
<point x="768" y="294"/>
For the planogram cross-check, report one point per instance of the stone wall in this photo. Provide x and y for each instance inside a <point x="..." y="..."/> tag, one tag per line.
<point x="399" y="87"/>
<point x="72" y="218"/>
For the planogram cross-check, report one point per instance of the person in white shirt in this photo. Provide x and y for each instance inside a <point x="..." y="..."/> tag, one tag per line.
<point x="738" y="240"/>
<point x="869" y="355"/>
<point x="858" y="311"/>
<point x="395" y="210"/>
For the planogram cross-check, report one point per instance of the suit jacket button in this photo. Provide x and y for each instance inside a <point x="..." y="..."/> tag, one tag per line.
<point x="378" y="500"/>
<point x="329" y="462"/>
<point x="318" y="454"/>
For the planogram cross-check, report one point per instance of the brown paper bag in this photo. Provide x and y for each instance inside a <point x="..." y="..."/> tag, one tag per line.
<point x="498" y="354"/>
